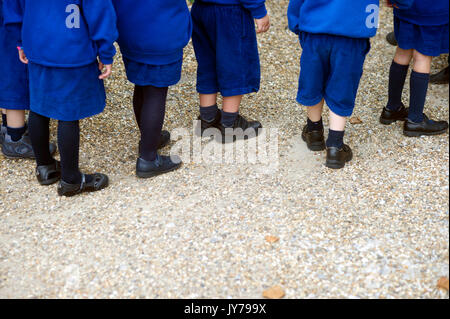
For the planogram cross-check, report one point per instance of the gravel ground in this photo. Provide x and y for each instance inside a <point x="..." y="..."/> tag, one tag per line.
<point x="376" y="229"/>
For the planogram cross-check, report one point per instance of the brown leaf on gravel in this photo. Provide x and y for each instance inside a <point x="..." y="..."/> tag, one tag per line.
<point x="355" y="120"/>
<point x="443" y="283"/>
<point x="275" y="292"/>
<point x="272" y="239"/>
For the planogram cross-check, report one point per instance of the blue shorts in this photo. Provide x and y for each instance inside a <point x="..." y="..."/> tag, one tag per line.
<point x="14" y="91"/>
<point x="428" y="40"/>
<point x="160" y="76"/>
<point x="66" y="94"/>
<point x="226" y="48"/>
<point x="331" y="69"/>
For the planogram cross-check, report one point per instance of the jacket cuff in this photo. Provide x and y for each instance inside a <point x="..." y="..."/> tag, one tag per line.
<point x="106" y="60"/>
<point x="259" y="12"/>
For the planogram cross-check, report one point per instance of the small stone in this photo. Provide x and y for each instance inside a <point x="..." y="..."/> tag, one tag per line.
<point x="272" y="239"/>
<point x="355" y="120"/>
<point x="275" y="292"/>
<point x="443" y="283"/>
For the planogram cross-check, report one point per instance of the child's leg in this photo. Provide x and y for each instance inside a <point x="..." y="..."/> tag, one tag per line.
<point x="230" y="110"/>
<point x="4" y="121"/>
<point x="337" y="130"/>
<point x="208" y="107"/>
<point x="151" y="120"/>
<point x="16" y="127"/>
<point x="40" y="135"/>
<point x="137" y="104"/>
<point x="420" y="78"/>
<point x="69" y="146"/>
<point x="397" y="77"/>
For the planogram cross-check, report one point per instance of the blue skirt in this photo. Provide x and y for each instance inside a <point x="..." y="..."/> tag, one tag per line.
<point x="428" y="40"/>
<point x="160" y="76"/>
<point x="14" y="91"/>
<point x="66" y="94"/>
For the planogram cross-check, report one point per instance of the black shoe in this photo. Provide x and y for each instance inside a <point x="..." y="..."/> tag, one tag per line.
<point x="388" y="116"/>
<point x="315" y="140"/>
<point x="2" y="134"/>
<point x="441" y="77"/>
<point x="242" y="129"/>
<point x="22" y="148"/>
<point x="99" y="182"/>
<point x="161" y="165"/>
<point x="390" y="38"/>
<point x="426" y="127"/>
<point x="204" y="125"/>
<point x="48" y="174"/>
<point x="337" y="158"/>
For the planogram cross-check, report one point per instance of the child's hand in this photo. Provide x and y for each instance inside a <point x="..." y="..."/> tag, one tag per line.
<point x="390" y="5"/>
<point x="105" y="73"/>
<point x="22" y="56"/>
<point x="263" y="24"/>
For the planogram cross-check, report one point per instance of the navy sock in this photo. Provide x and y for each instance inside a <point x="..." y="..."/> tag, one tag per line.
<point x="16" y="133"/>
<point x="228" y="119"/>
<point x="208" y="113"/>
<point x="335" y="139"/>
<point x="4" y="122"/>
<point x="69" y="146"/>
<point x="315" y="126"/>
<point x="418" y="95"/>
<point x="397" y="77"/>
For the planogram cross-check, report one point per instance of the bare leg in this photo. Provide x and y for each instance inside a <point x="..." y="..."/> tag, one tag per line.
<point x="231" y="104"/>
<point x="15" y="118"/>
<point x="315" y="112"/>
<point x="403" y="57"/>
<point x="422" y="63"/>
<point x="337" y="123"/>
<point x="208" y="99"/>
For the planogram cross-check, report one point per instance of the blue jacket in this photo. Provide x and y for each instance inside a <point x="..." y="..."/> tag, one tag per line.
<point x="350" y="18"/>
<point x="54" y="34"/>
<point x="256" y="7"/>
<point x="153" y="31"/>
<point x="426" y="13"/>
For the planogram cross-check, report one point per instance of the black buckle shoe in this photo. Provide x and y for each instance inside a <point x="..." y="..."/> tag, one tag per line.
<point x="337" y="158"/>
<point x="242" y="129"/>
<point x="426" y="127"/>
<point x="441" y="77"/>
<point x="388" y="116"/>
<point x="99" y="182"/>
<point x="2" y="134"/>
<point x="48" y="174"/>
<point x="161" y="165"/>
<point x="315" y="140"/>
<point x="204" y="125"/>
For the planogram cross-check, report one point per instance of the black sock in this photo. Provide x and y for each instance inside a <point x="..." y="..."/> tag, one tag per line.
<point x="418" y="95"/>
<point x="208" y="113"/>
<point x="397" y="77"/>
<point x="16" y="133"/>
<point x="228" y="118"/>
<point x="4" y="121"/>
<point x="69" y="146"/>
<point x="150" y="113"/>
<point x="40" y="134"/>
<point x="315" y="126"/>
<point x="335" y="139"/>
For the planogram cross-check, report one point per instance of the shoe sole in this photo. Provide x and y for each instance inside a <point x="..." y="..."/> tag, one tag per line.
<point x="145" y="175"/>
<point x="49" y="181"/>
<point x="389" y="122"/>
<point x="337" y="165"/>
<point x="315" y="147"/>
<point x="223" y="139"/>
<point x="419" y="134"/>
<point x="9" y="156"/>
<point x="85" y="191"/>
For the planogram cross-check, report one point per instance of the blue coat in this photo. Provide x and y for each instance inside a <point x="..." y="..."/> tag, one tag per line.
<point x="153" y="31"/>
<point x="426" y="13"/>
<point x="256" y="7"/>
<point x="64" y="33"/>
<point x="350" y="18"/>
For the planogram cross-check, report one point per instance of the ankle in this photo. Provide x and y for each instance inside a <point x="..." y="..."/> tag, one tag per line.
<point x="315" y="126"/>
<point x="229" y="118"/>
<point x="208" y="113"/>
<point x="335" y="139"/>
<point x="16" y="133"/>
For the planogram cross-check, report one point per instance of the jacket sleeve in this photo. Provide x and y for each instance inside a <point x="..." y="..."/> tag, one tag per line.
<point x="101" y="20"/>
<point x="256" y="7"/>
<point x="294" y="15"/>
<point x="13" y="11"/>
<point x="403" y="4"/>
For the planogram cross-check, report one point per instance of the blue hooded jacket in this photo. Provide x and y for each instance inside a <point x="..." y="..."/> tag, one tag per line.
<point x="256" y="7"/>
<point x="426" y="13"/>
<point x="349" y="18"/>
<point x="153" y="31"/>
<point x="64" y="33"/>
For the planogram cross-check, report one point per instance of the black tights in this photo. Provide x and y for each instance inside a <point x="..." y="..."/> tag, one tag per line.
<point x="149" y="104"/>
<point x="68" y="144"/>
